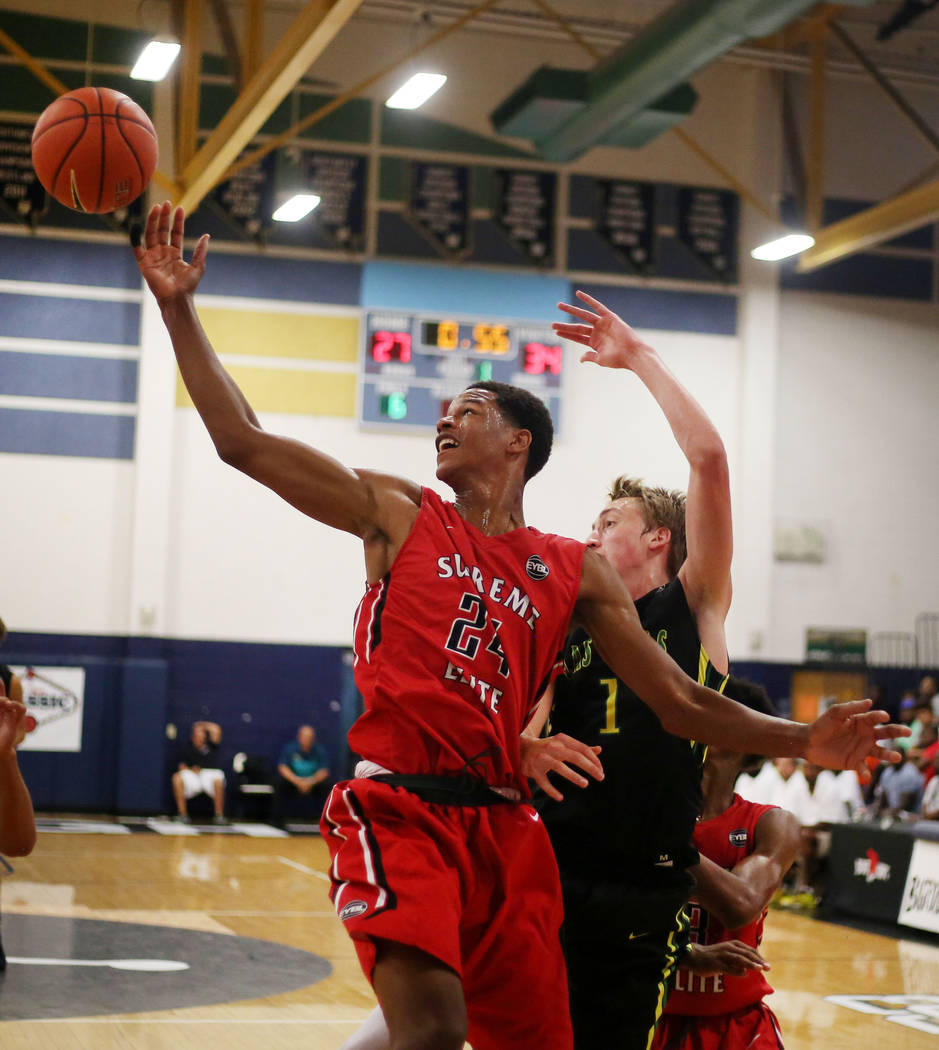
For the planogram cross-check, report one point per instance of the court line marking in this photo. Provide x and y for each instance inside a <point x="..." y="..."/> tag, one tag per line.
<point x="302" y="867"/>
<point x="189" y="1020"/>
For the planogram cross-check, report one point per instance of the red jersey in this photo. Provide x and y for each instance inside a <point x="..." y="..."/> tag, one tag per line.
<point x="454" y="644"/>
<point x="726" y="839"/>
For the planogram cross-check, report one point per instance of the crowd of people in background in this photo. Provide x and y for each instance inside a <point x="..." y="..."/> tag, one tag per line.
<point x="908" y="791"/>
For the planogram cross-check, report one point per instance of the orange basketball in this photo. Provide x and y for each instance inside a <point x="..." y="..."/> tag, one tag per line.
<point x="94" y="149"/>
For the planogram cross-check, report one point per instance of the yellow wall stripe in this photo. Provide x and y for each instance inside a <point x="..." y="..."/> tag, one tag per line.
<point x="319" y="337"/>
<point x="291" y="392"/>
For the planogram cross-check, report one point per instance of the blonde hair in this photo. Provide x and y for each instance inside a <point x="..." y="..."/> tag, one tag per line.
<point x="661" y="508"/>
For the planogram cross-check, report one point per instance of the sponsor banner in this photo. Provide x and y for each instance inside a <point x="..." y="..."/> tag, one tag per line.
<point x="868" y="868"/>
<point x="626" y="220"/>
<point x="920" y="904"/>
<point x="919" y="1012"/>
<point x="524" y="210"/>
<point x="438" y="205"/>
<point x="21" y="194"/>
<point x="54" y="698"/>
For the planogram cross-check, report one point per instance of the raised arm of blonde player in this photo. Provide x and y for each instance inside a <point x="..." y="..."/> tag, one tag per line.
<point x="17" y="823"/>
<point x="705" y="573"/>
<point x="379" y="508"/>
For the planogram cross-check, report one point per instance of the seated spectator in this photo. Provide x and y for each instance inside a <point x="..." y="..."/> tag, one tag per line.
<point x="302" y="774"/>
<point x="906" y="715"/>
<point x="899" y="790"/>
<point x="928" y="693"/>
<point x="931" y="794"/>
<point x="199" y="772"/>
<point x="759" y="787"/>
<point x="926" y="753"/>
<point x="923" y="721"/>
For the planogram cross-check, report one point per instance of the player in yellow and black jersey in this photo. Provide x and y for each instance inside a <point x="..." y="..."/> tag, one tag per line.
<point x="623" y="843"/>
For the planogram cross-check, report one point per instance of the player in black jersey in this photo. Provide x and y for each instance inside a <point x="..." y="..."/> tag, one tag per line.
<point x="623" y="843"/>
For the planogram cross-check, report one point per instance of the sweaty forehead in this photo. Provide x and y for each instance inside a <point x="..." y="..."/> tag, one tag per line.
<point x="473" y="396"/>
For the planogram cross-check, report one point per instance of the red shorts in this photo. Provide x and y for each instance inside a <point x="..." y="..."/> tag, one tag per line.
<point x="474" y="886"/>
<point x="751" y="1028"/>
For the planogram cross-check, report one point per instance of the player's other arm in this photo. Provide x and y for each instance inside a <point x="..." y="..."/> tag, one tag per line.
<point x="364" y="503"/>
<point x="738" y="896"/>
<point x="559" y="753"/>
<point x="17" y="823"/>
<point x="841" y="738"/>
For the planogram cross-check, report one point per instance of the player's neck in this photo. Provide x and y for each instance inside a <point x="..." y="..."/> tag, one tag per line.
<point x="641" y="579"/>
<point x="493" y="507"/>
<point x="717" y="787"/>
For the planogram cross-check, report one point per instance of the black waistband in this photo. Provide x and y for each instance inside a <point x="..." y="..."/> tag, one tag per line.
<point x="444" y="791"/>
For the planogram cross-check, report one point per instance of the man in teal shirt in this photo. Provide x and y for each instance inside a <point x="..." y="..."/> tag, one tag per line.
<point x="303" y="772"/>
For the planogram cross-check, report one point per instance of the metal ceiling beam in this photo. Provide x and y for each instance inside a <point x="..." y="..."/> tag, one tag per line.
<point x="815" y="171"/>
<point x="312" y="31"/>
<point x="341" y="99"/>
<point x="226" y="30"/>
<point x="254" y="38"/>
<point x="187" y="121"/>
<point x="882" y="222"/>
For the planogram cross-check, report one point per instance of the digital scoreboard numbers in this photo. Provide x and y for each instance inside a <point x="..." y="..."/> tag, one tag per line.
<point x="413" y="366"/>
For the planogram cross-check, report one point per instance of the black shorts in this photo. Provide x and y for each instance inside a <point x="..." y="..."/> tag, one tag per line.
<point x="622" y="945"/>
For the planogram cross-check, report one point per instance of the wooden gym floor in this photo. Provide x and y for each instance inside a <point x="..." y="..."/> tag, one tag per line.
<point x="251" y="954"/>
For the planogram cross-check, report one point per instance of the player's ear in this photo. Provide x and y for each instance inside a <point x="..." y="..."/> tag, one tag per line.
<point x="521" y="441"/>
<point x="659" y="537"/>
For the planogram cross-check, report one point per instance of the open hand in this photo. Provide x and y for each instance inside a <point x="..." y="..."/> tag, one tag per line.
<point x="848" y="733"/>
<point x="160" y="257"/>
<point x="559" y="754"/>
<point x="611" y="342"/>
<point x="12" y="725"/>
<point x="733" y="957"/>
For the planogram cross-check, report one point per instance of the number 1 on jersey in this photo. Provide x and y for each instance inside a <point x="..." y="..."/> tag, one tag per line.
<point x="612" y="685"/>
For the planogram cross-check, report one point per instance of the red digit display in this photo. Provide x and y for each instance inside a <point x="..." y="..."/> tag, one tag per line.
<point x="391" y="346"/>
<point x="540" y="358"/>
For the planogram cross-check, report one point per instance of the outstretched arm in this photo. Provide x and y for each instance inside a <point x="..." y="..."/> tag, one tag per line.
<point x="840" y="739"/>
<point x="738" y="896"/>
<point x="17" y="824"/>
<point x="378" y="508"/>
<point x="705" y="574"/>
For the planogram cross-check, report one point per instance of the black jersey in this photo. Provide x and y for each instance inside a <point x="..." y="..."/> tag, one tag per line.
<point x="635" y="824"/>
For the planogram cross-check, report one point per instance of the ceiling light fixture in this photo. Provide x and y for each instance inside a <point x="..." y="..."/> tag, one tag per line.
<point x="416" y="91"/>
<point x="299" y="205"/>
<point x="156" y="59"/>
<point x="783" y="247"/>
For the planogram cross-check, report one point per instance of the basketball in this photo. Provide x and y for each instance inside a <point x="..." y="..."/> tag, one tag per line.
<point x="94" y="149"/>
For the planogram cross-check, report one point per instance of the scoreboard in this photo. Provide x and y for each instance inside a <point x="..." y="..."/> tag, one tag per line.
<point x="413" y="365"/>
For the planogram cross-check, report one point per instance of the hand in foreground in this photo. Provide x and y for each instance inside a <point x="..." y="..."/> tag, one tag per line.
<point x="733" y="957"/>
<point x="160" y="257"/>
<point x="12" y="725"/>
<point x="558" y="754"/>
<point x="848" y="733"/>
<point x="610" y="340"/>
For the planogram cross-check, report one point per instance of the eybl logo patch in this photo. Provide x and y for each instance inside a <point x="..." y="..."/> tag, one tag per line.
<point x="352" y="909"/>
<point x="536" y="568"/>
<point x="738" y="838"/>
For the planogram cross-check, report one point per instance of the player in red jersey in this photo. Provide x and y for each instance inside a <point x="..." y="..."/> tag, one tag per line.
<point x="746" y="849"/>
<point x="444" y="881"/>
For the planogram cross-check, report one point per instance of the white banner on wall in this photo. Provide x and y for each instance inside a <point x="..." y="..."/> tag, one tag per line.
<point x="55" y="698"/>
<point x="920" y="904"/>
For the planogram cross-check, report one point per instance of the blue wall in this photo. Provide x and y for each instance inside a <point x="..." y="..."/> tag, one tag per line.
<point x="259" y="695"/>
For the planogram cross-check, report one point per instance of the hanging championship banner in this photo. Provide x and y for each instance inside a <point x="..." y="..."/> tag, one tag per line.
<point x="54" y="698"/>
<point x="247" y="198"/>
<point x="707" y="224"/>
<point x="626" y="221"/>
<point x="21" y="194"/>
<point x="438" y="205"/>
<point x="338" y="179"/>
<point x="523" y="207"/>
